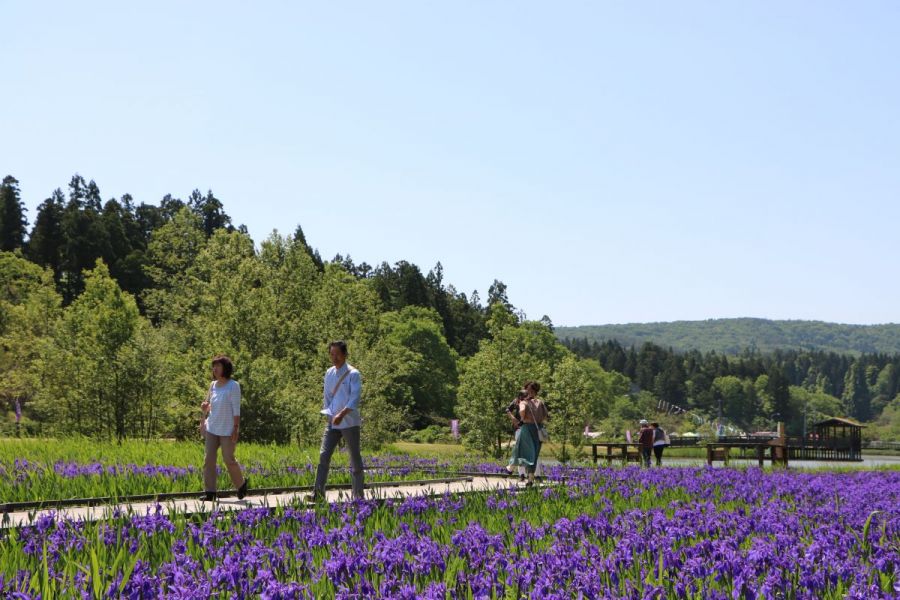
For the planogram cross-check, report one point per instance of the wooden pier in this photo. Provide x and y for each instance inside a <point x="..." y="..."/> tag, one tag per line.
<point x="622" y="451"/>
<point x="837" y="439"/>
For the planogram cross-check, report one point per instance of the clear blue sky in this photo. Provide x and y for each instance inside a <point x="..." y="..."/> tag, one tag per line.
<point x="610" y="161"/>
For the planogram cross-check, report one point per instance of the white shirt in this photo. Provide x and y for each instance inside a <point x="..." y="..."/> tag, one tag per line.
<point x="347" y="395"/>
<point x="224" y="405"/>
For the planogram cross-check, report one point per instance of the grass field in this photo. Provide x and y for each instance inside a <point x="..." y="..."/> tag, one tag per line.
<point x="48" y="469"/>
<point x="39" y="470"/>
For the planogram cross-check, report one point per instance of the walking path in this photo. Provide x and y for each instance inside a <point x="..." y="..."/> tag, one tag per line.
<point x="190" y="506"/>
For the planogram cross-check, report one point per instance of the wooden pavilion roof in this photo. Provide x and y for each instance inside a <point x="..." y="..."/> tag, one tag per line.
<point x="839" y="421"/>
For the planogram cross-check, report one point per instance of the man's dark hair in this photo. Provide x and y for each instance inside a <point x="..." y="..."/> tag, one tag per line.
<point x="654" y="425"/>
<point x="227" y="365"/>
<point x="340" y="345"/>
<point x="533" y="386"/>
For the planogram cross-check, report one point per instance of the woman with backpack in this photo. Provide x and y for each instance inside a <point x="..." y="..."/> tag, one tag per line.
<point x="533" y="413"/>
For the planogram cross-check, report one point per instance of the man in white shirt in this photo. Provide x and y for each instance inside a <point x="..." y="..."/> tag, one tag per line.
<point x="340" y="404"/>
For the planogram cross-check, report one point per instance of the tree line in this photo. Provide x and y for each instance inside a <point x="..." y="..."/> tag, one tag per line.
<point x="109" y="313"/>
<point x="754" y="389"/>
<point x="71" y="231"/>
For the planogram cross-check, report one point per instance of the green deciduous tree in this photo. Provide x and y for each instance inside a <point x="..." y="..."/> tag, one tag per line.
<point x="29" y="310"/>
<point x="432" y="375"/>
<point x="887" y="426"/>
<point x="625" y="413"/>
<point x="490" y="379"/>
<point x="576" y="400"/>
<point x="814" y="406"/>
<point x="85" y="371"/>
<point x="387" y="370"/>
<point x="344" y="308"/>
<point x="172" y="251"/>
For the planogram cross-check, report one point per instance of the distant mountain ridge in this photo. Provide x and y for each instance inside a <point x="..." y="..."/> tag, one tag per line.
<point x="733" y="336"/>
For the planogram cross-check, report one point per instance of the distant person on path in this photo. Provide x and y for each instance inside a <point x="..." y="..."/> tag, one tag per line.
<point x="220" y="427"/>
<point x="645" y="441"/>
<point x="533" y="413"/>
<point x="516" y="417"/>
<point x="340" y="404"/>
<point x="659" y="442"/>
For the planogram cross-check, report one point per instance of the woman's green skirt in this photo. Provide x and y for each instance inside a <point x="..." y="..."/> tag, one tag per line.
<point x="527" y="448"/>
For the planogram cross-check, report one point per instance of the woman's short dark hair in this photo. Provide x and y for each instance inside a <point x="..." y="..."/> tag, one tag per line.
<point x="534" y="386"/>
<point x="227" y="365"/>
<point x="340" y="345"/>
<point x="654" y="424"/>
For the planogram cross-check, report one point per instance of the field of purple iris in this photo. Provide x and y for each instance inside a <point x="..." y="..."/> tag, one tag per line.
<point x="589" y="533"/>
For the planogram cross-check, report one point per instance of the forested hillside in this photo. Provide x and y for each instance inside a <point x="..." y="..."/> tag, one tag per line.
<point x="733" y="336"/>
<point x="753" y="387"/>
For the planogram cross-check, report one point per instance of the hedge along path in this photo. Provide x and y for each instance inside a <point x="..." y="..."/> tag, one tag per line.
<point x="377" y="491"/>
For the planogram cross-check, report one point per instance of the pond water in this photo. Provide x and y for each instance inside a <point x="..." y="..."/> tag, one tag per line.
<point x="868" y="462"/>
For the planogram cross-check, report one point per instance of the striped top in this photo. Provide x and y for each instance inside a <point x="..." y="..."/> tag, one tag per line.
<point x="224" y="405"/>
